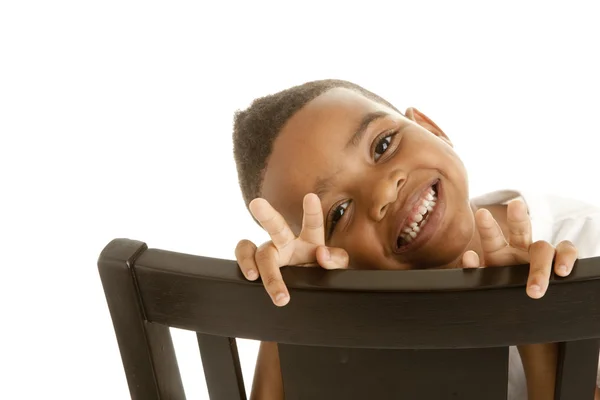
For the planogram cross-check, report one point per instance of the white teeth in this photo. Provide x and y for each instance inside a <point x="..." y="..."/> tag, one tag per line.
<point x="418" y="220"/>
<point x="406" y="238"/>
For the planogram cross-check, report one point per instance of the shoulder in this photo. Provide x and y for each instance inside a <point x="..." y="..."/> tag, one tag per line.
<point x="576" y="221"/>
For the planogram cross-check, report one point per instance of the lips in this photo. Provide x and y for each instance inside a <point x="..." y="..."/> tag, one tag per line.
<point x="410" y="221"/>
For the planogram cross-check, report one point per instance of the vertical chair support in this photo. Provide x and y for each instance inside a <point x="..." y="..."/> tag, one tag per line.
<point x="146" y="348"/>
<point x="576" y="370"/>
<point x="221" y="367"/>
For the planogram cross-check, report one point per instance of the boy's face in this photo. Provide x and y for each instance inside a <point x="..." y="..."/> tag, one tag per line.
<point x="376" y="189"/>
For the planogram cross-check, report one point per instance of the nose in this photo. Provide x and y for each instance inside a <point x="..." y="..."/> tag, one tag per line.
<point x="383" y="193"/>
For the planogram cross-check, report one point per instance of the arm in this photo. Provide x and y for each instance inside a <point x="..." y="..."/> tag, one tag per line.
<point x="539" y="363"/>
<point x="268" y="383"/>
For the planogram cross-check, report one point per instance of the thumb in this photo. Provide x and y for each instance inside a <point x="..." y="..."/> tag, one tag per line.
<point x="332" y="257"/>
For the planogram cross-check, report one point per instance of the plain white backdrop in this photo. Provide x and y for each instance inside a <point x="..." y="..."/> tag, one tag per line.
<point x="116" y="121"/>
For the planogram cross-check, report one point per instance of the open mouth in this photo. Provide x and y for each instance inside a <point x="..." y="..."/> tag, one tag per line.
<point x="419" y="216"/>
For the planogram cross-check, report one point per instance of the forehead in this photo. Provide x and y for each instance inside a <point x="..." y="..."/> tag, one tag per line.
<point x="311" y="146"/>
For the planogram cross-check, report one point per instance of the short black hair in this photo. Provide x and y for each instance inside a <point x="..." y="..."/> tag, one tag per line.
<point x="256" y="128"/>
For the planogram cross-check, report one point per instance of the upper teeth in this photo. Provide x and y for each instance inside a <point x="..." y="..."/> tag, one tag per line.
<point x="418" y="220"/>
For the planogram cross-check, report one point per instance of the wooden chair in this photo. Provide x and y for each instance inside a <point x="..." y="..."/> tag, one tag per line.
<point x="441" y="334"/>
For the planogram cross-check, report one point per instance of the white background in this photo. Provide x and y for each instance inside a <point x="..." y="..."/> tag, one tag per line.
<point x="116" y="120"/>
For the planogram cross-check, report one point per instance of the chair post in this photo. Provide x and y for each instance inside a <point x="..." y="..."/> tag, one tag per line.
<point x="146" y="348"/>
<point x="577" y="367"/>
<point x="222" y="368"/>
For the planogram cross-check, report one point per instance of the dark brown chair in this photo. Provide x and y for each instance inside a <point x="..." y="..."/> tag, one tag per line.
<point x="438" y="334"/>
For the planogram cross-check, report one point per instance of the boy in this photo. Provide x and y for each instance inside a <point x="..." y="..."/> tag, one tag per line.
<point x="325" y="165"/>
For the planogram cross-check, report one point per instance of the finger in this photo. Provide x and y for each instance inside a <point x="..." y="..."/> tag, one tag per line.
<point x="313" y="230"/>
<point x="332" y="257"/>
<point x="566" y="255"/>
<point x="519" y="225"/>
<point x="268" y="266"/>
<point x="272" y="222"/>
<point x="470" y="260"/>
<point x="244" y="253"/>
<point x="540" y="266"/>
<point x="492" y="238"/>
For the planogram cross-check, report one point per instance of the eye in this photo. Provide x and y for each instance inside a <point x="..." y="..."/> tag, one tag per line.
<point x="335" y="216"/>
<point x="382" y="144"/>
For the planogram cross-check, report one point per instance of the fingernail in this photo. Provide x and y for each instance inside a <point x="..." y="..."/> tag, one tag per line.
<point x="562" y="269"/>
<point x="252" y="274"/>
<point x="326" y="254"/>
<point x="281" y="299"/>
<point x="535" y="290"/>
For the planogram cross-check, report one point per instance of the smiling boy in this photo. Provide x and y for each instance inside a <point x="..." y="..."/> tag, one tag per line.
<point x="340" y="178"/>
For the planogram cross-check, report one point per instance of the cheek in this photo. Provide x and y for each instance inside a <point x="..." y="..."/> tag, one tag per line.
<point x="364" y="254"/>
<point x="443" y="157"/>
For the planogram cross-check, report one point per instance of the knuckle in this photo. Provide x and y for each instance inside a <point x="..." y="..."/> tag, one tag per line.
<point x="277" y="231"/>
<point x="271" y="281"/>
<point x="282" y="236"/>
<point x="275" y="223"/>
<point x="244" y="247"/>
<point x="268" y="223"/>
<point x="540" y="270"/>
<point x="312" y="225"/>
<point x="265" y="253"/>
<point x="338" y="253"/>
<point x="566" y="246"/>
<point x="567" y="243"/>
<point x="519" y="229"/>
<point x="541" y="246"/>
<point x="244" y="252"/>
<point x="316" y="214"/>
<point x="261" y="256"/>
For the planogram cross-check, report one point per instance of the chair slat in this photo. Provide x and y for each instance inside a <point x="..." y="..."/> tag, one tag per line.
<point x="341" y="373"/>
<point x="222" y="370"/>
<point x="577" y="370"/>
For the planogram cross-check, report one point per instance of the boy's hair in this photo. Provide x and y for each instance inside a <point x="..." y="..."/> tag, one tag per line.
<point x="258" y="126"/>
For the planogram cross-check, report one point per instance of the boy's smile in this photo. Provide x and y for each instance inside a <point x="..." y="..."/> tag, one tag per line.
<point x="394" y="192"/>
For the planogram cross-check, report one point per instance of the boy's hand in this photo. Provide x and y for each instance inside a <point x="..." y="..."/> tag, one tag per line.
<point x="284" y="248"/>
<point x="518" y="249"/>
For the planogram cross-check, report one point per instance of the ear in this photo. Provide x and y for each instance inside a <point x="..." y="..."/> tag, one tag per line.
<point x="423" y="120"/>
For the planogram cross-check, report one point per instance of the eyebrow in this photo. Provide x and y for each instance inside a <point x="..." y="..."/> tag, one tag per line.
<point x="323" y="185"/>
<point x="362" y="127"/>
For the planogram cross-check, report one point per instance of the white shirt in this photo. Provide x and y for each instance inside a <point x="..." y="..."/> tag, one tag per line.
<point x="553" y="219"/>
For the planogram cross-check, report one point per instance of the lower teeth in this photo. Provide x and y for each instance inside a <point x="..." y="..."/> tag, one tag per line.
<point x="406" y="238"/>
